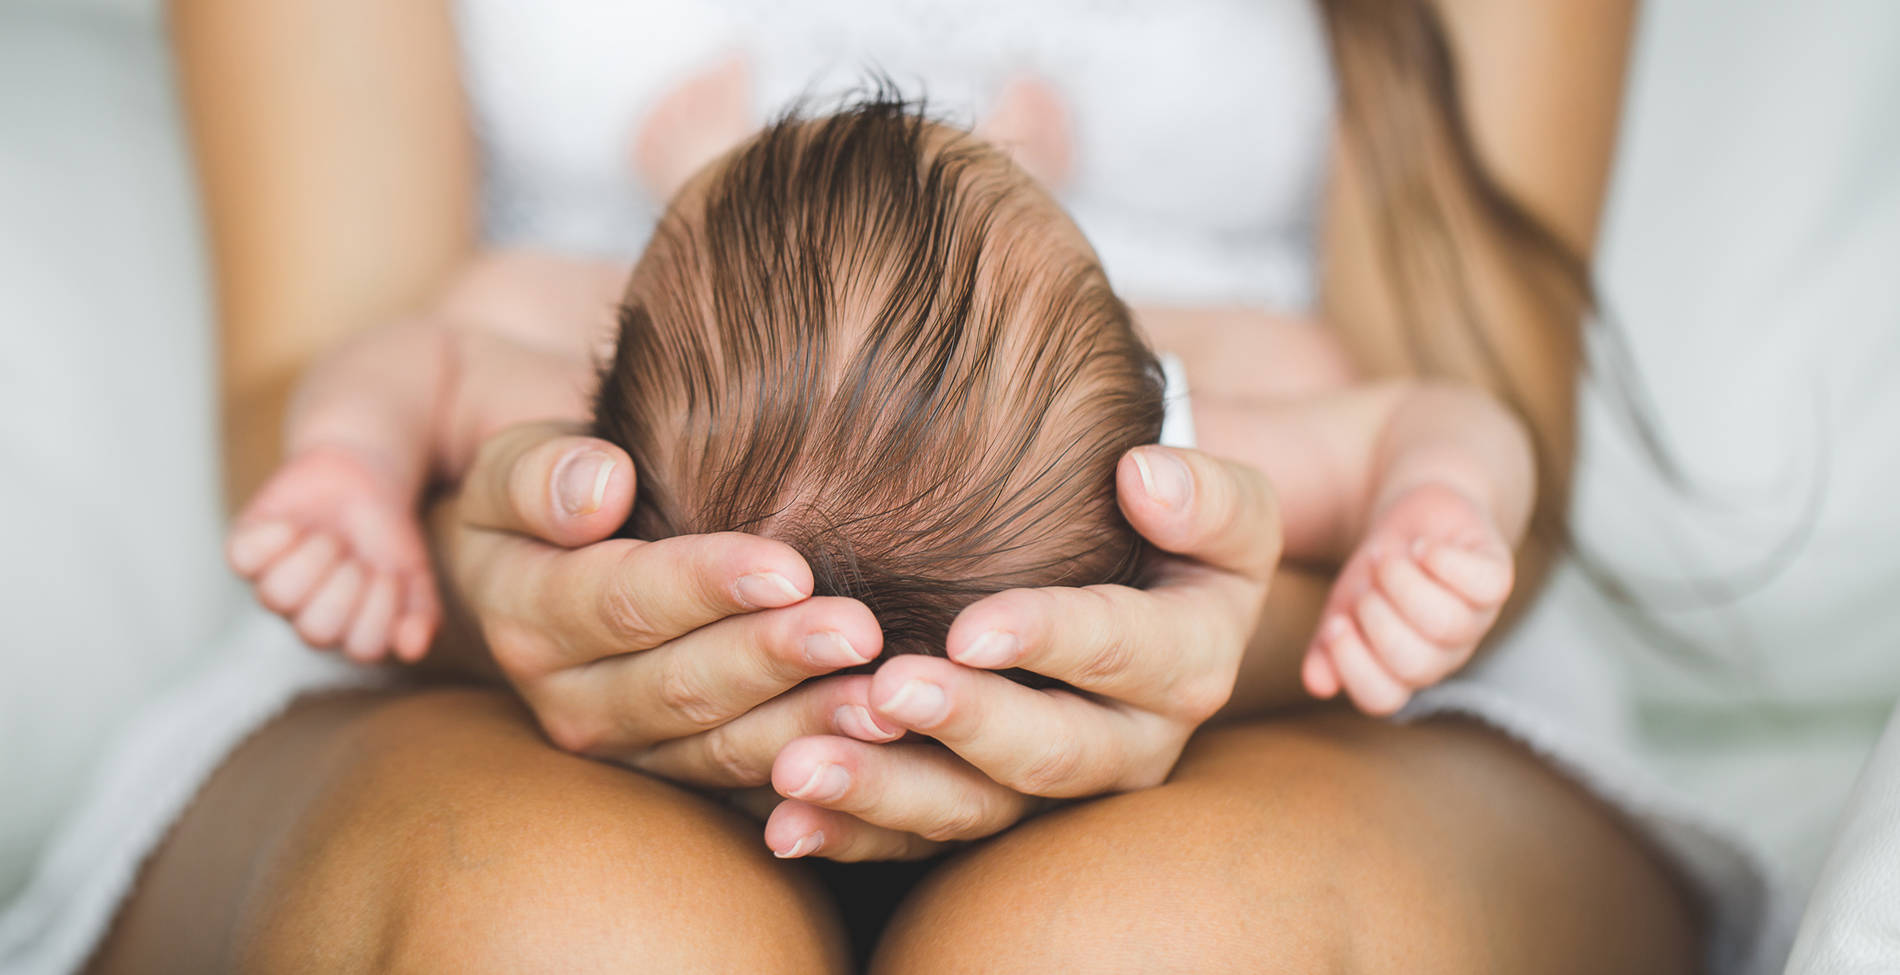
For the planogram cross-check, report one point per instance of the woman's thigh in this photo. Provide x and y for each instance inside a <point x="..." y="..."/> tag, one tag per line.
<point x="436" y="831"/>
<point x="1322" y="843"/>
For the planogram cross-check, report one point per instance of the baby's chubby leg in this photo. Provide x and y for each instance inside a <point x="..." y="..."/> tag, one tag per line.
<point x="332" y="541"/>
<point x="1414" y="600"/>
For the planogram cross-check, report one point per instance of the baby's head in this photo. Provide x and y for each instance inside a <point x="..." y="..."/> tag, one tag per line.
<point x="875" y="339"/>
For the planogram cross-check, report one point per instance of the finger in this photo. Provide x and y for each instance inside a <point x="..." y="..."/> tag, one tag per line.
<point x="286" y="585"/>
<point x="1483" y="579"/>
<point x="370" y="632"/>
<point x="740" y="752"/>
<point x="1093" y="638"/>
<point x="1366" y="681"/>
<point x="252" y="547"/>
<point x="707" y="677"/>
<point x="798" y="829"/>
<point x="1410" y="658"/>
<point x="622" y="596"/>
<point x="1317" y="671"/>
<point x="327" y="614"/>
<point x="912" y="788"/>
<point x="1431" y="609"/>
<point x="1202" y="507"/>
<point x="421" y="613"/>
<point x="538" y="479"/>
<point x="1044" y="743"/>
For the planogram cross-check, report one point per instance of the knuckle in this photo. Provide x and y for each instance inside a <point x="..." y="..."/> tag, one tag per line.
<point x="516" y="649"/>
<point x="962" y="823"/>
<point x="681" y="692"/>
<point x="778" y="638"/>
<point x="728" y="760"/>
<point x="1109" y="658"/>
<point x="1051" y="771"/>
<point x="581" y="735"/>
<point x="1108" y="652"/>
<point x="623" y="612"/>
<point x="1202" y="697"/>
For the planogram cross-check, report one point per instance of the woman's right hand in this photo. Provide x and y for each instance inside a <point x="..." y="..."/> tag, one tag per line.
<point x="684" y="657"/>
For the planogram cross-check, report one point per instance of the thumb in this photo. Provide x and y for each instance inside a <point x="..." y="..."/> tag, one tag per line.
<point x="542" y="480"/>
<point x="1202" y="507"/>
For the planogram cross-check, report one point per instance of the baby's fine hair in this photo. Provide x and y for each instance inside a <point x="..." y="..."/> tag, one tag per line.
<point x="873" y="338"/>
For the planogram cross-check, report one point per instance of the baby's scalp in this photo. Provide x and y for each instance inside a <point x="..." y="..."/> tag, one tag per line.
<point x="874" y="338"/>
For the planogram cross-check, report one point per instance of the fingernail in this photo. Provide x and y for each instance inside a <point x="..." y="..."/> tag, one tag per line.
<point x="830" y="649"/>
<point x="994" y="648"/>
<point x="766" y="590"/>
<point x="857" y="721"/>
<point x="1163" y="477"/>
<point x="581" y="481"/>
<point x="252" y="544"/>
<point x="918" y="703"/>
<point x="826" y="782"/>
<point x="805" y="846"/>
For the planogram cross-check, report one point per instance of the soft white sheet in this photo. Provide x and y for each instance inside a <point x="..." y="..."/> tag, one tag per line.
<point x="110" y="584"/>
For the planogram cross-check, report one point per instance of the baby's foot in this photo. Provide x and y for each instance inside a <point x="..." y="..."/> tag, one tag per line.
<point x="706" y="115"/>
<point x="1031" y="123"/>
<point x="1412" y="603"/>
<point x="333" y="545"/>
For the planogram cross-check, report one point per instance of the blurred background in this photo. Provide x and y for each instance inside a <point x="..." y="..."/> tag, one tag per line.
<point x="1756" y="210"/>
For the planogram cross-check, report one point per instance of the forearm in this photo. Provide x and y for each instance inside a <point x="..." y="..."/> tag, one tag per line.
<point x="337" y="178"/>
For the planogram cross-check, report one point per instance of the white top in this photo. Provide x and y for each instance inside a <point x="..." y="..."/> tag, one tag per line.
<point x="1201" y="127"/>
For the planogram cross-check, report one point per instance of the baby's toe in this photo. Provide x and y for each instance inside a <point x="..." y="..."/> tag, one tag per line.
<point x="1481" y="576"/>
<point x="326" y="615"/>
<point x="369" y="633"/>
<point x="289" y="582"/>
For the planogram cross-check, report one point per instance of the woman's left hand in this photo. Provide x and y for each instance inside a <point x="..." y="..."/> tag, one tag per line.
<point x="1152" y="665"/>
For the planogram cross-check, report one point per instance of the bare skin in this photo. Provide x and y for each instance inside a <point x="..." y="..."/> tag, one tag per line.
<point x="285" y="862"/>
<point x="439" y="832"/>
<point x="1327" y="843"/>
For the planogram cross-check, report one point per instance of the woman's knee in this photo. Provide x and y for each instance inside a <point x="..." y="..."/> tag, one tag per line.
<point x="451" y="838"/>
<point x="1324" y="845"/>
<point x="1179" y="878"/>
